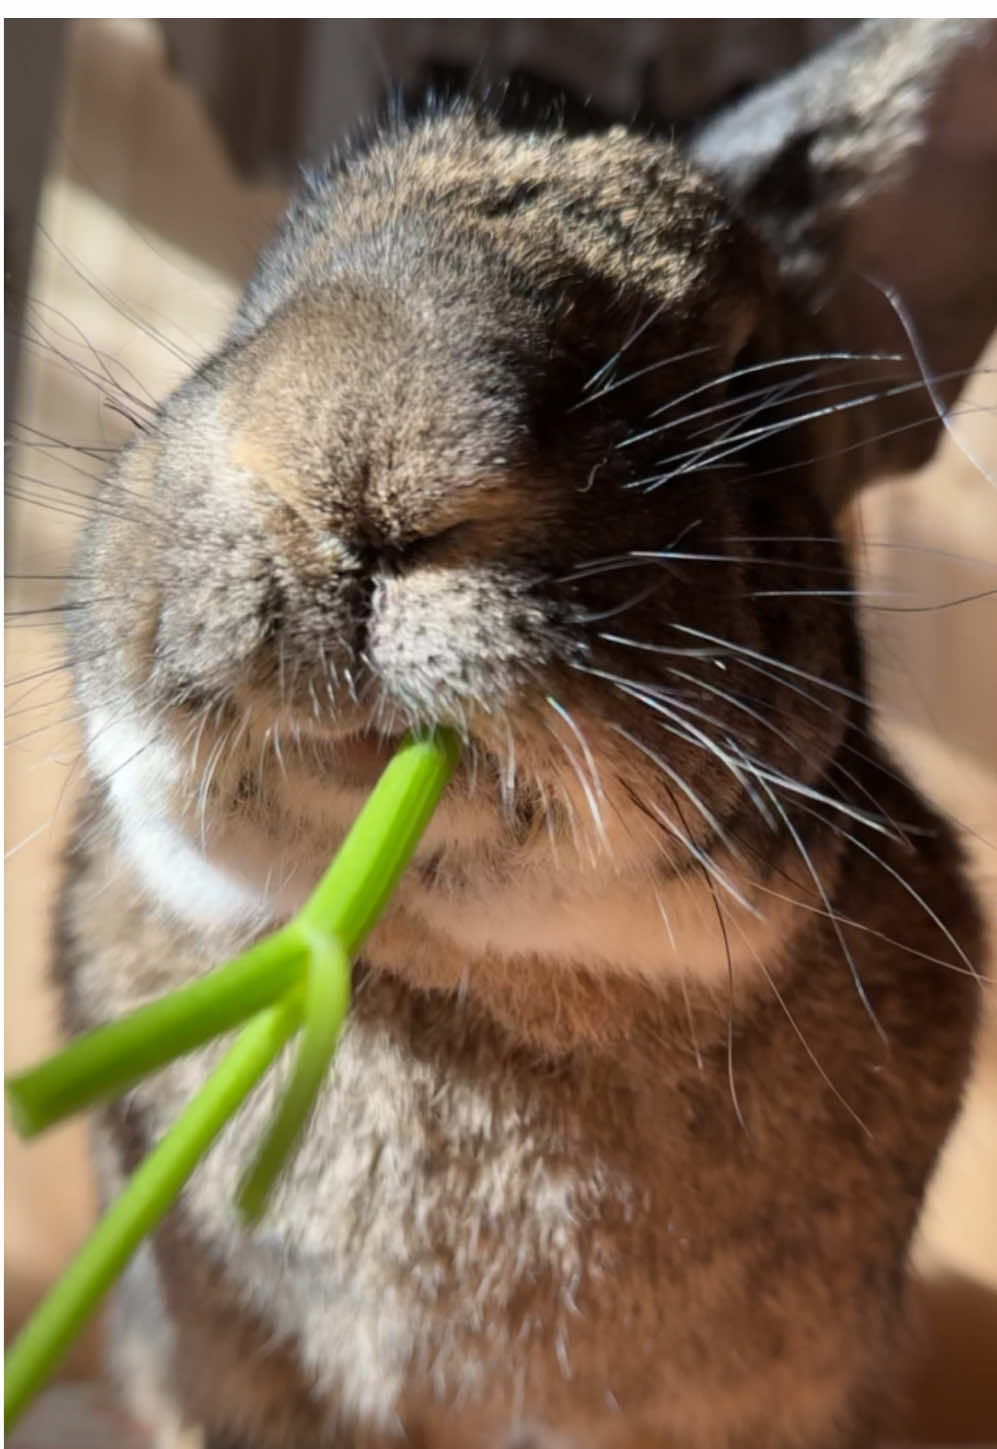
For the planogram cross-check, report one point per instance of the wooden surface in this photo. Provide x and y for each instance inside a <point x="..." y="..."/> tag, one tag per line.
<point x="148" y="231"/>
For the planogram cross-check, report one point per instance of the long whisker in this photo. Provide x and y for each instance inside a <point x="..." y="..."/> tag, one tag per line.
<point x="628" y="342"/>
<point x="738" y="702"/>
<point x="907" y="323"/>
<point x="730" y="1003"/>
<point x="742" y="649"/>
<point x="707" y="455"/>
<point x="832" y="540"/>
<point x="967" y="410"/>
<point x="579" y="571"/>
<point x="114" y="301"/>
<point x="832" y="914"/>
<point x="640" y="372"/>
<point x="770" y="979"/>
<point x="855" y="925"/>
<point x="653" y="696"/>
<point x="721" y="922"/>
<point x="864" y="596"/>
<point x="594" y="792"/>
<point x="598" y="615"/>
<point x="823" y="357"/>
<point x="905" y="884"/>
<point x="655" y="700"/>
<point x="796" y="391"/>
<point x="683" y="837"/>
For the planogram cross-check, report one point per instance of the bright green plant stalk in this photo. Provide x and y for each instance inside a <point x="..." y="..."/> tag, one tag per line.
<point x="146" y="1198"/>
<point x="264" y="982"/>
<point x="107" y="1061"/>
<point x="356" y="887"/>
<point x="327" y="996"/>
<point x="346" y="903"/>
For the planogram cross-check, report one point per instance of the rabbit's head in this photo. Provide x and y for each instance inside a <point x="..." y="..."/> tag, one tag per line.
<point x="541" y="438"/>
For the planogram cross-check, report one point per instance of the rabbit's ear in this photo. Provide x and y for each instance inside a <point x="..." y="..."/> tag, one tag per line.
<point x="871" y="171"/>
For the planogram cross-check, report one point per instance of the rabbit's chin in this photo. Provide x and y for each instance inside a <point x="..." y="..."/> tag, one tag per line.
<point x="486" y="890"/>
<point x="205" y="852"/>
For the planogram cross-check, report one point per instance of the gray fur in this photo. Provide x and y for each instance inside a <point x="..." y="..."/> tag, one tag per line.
<point x="653" y="1052"/>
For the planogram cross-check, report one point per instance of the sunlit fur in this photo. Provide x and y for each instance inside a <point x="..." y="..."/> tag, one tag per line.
<point x="653" y="1051"/>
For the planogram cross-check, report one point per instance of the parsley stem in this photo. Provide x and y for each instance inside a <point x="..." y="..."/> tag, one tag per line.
<point x="145" y="1199"/>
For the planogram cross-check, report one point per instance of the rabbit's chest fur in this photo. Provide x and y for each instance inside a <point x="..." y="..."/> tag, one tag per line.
<point x="543" y="1239"/>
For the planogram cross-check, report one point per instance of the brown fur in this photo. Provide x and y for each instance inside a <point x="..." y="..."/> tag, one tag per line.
<point x="654" y="1050"/>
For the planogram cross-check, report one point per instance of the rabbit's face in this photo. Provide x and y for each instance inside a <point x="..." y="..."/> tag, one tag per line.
<point x="512" y="434"/>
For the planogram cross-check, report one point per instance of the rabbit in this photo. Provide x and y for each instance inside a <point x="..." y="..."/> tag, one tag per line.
<point x="650" y="1058"/>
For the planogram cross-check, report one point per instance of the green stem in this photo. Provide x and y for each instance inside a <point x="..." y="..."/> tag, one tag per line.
<point x="144" y="1201"/>
<point x="112" y="1058"/>
<point x="356" y="887"/>
<point x="345" y="905"/>
<point x="328" y="930"/>
<point x="327" y="996"/>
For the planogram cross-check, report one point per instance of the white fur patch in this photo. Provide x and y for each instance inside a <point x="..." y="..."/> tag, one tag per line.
<point x="141" y="770"/>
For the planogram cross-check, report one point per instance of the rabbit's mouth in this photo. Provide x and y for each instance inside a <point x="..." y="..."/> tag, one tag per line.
<point x="359" y="758"/>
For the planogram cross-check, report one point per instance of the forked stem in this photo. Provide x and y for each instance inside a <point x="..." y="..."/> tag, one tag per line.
<point x="146" y="1199"/>
<point x="264" y="983"/>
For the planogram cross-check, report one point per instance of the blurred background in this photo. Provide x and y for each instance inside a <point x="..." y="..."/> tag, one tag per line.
<point x="146" y="163"/>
